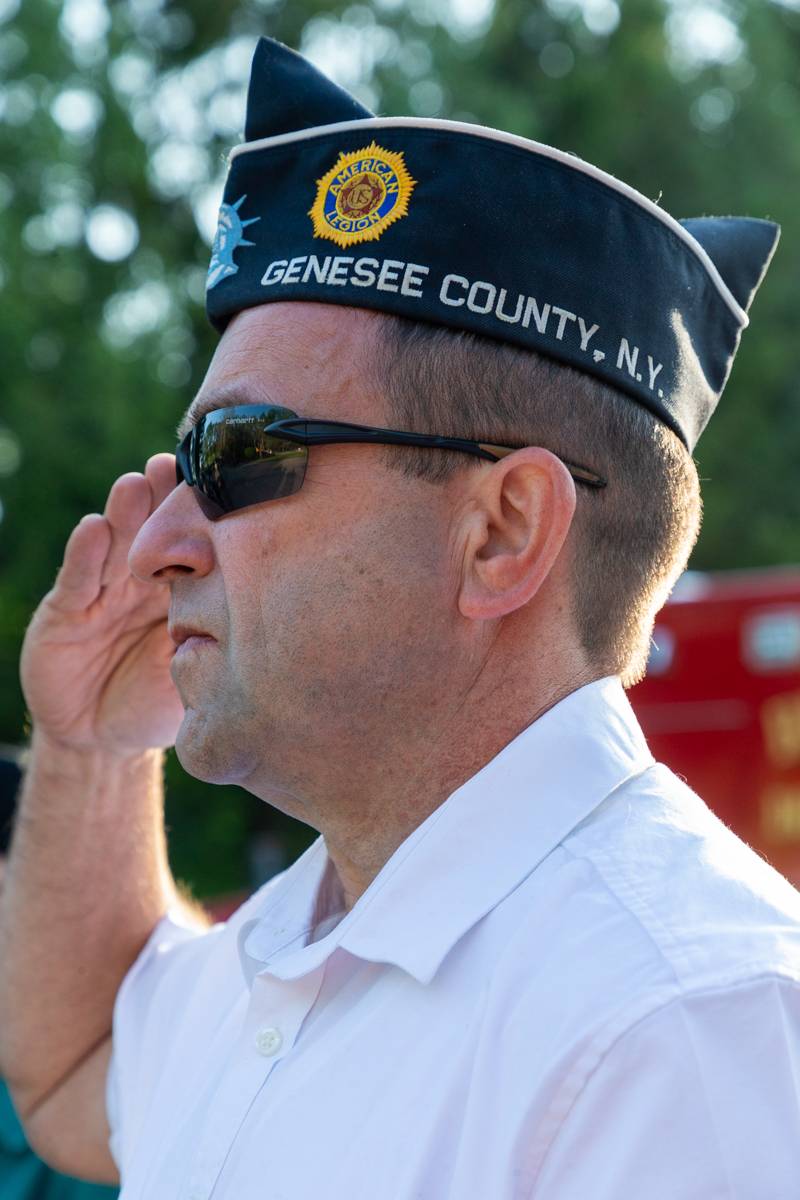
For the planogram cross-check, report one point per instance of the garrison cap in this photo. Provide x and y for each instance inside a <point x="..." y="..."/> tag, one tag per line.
<point x="479" y="230"/>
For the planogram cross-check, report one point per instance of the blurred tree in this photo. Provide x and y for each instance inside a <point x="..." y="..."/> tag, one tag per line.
<point x="114" y="123"/>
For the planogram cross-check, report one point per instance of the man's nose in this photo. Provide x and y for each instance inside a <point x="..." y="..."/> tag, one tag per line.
<point x="174" y="540"/>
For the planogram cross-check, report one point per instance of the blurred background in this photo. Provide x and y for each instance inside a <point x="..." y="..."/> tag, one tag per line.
<point x="115" y="119"/>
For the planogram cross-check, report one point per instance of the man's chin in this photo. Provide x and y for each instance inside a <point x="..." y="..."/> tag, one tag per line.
<point x="193" y="748"/>
<point x="205" y="754"/>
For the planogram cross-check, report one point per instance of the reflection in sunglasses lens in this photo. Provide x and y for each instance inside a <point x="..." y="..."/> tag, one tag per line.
<point x="239" y="464"/>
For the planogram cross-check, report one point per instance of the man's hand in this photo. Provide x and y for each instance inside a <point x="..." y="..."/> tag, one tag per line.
<point x="88" y="876"/>
<point x="95" y="662"/>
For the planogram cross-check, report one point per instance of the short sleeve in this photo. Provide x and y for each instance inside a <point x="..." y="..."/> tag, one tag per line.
<point x="143" y="995"/>
<point x="698" y="1101"/>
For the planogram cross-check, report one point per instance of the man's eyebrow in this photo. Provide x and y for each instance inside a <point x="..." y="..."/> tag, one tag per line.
<point x="223" y="398"/>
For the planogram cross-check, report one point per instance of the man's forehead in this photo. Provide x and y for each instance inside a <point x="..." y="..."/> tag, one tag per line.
<point x="294" y="355"/>
<point x="257" y="352"/>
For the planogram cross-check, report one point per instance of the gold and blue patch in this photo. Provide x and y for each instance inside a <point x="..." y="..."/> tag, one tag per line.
<point x="364" y="192"/>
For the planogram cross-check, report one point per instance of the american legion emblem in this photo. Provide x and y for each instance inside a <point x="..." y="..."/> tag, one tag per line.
<point x="361" y="195"/>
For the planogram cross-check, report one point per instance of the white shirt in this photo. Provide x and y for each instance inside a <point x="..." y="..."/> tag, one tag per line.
<point x="571" y="982"/>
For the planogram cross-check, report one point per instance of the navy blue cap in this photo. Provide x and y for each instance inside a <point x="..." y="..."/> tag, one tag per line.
<point x="480" y="230"/>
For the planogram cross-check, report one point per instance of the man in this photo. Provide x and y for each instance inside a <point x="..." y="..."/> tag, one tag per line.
<point x="434" y="487"/>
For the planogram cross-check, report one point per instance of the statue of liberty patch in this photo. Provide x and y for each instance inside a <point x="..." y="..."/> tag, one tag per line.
<point x="361" y="195"/>
<point x="228" y="238"/>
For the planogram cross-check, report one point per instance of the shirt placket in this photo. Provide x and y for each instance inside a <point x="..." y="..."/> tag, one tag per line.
<point x="270" y="1030"/>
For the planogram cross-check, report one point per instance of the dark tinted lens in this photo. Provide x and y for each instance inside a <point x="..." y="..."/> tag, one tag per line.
<point x="183" y="469"/>
<point x="238" y="464"/>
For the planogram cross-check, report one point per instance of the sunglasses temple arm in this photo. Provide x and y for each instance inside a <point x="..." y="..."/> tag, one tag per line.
<point x="391" y="437"/>
<point x="378" y="437"/>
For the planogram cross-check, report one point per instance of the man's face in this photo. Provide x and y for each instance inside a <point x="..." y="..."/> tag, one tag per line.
<point x="333" y="611"/>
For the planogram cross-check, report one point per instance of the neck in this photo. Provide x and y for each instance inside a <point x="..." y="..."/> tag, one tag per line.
<point x="362" y="836"/>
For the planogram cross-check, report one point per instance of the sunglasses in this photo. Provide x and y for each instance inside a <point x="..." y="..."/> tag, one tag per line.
<point x="246" y="454"/>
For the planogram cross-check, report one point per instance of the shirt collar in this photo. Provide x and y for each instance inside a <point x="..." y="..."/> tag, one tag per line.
<point x="470" y="852"/>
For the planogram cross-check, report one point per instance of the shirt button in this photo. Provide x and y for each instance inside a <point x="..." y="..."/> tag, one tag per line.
<point x="268" y="1041"/>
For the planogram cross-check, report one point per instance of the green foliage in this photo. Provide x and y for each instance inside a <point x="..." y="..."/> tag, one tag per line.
<point x="133" y="105"/>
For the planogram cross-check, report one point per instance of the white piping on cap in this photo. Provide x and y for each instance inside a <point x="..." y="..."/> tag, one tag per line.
<point x="497" y="135"/>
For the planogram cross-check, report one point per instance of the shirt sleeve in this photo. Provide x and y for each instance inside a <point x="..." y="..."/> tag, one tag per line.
<point x="141" y="994"/>
<point x="698" y="1101"/>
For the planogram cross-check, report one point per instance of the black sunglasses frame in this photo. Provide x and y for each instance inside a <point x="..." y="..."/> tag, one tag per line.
<point x="303" y="431"/>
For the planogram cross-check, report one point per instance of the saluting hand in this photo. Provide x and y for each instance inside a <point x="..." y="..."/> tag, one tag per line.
<point x="96" y="656"/>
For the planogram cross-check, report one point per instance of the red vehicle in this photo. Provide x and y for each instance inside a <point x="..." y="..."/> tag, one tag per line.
<point x="721" y="701"/>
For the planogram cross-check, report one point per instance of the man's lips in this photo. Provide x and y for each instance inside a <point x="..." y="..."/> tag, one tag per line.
<point x="183" y="634"/>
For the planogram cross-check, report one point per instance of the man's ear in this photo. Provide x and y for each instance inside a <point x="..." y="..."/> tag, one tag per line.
<point x="515" y="525"/>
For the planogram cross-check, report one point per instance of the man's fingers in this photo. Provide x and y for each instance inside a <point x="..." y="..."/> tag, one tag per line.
<point x="97" y="551"/>
<point x="127" y="508"/>
<point x="128" y="503"/>
<point x="79" y="580"/>
<point x="160" y="474"/>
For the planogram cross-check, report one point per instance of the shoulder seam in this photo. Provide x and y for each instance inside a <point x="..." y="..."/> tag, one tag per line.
<point x="646" y="929"/>
<point x="617" y="1034"/>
